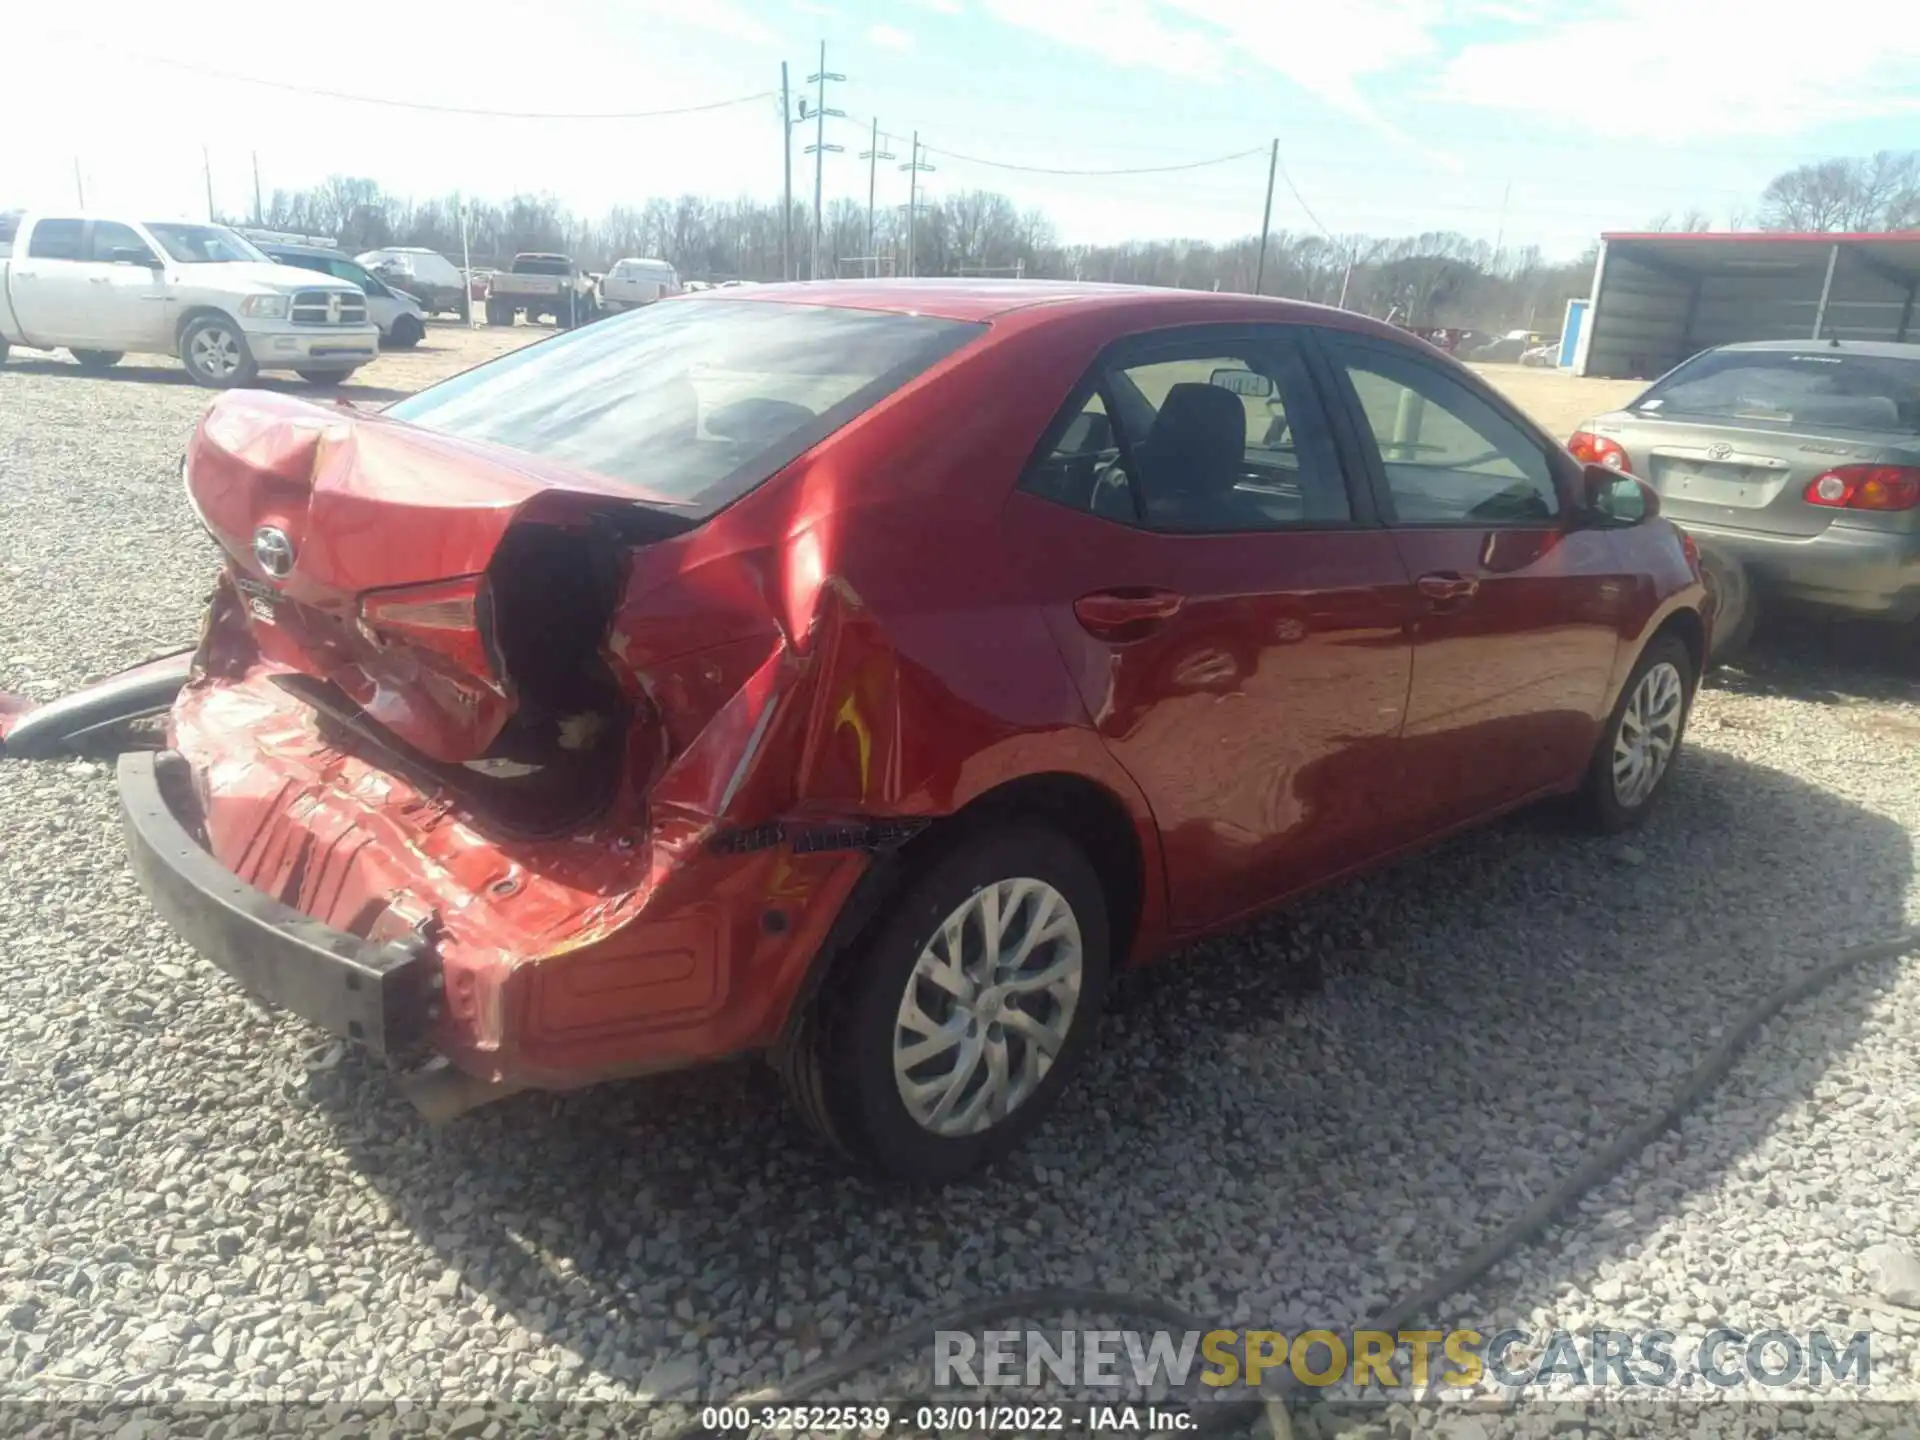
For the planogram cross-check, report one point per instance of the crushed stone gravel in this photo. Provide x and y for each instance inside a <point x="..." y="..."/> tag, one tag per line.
<point x="202" y="1201"/>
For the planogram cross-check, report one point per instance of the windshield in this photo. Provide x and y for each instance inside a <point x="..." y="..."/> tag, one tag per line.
<point x="202" y="244"/>
<point x="694" y="401"/>
<point x="1793" y="387"/>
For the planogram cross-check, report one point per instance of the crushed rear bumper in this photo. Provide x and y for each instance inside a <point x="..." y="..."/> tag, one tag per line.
<point x="384" y="996"/>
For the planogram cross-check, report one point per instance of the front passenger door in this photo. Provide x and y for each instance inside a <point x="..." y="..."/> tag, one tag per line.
<point x="1515" y="640"/>
<point x="127" y="295"/>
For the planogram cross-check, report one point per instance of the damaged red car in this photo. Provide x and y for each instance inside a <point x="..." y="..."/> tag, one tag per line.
<point x="862" y="675"/>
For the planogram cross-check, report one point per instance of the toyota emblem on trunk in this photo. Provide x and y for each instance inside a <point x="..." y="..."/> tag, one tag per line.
<point x="1719" y="450"/>
<point x="273" y="550"/>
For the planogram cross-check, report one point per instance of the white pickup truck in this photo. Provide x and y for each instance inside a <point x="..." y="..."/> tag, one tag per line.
<point x="104" y="287"/>
<point x="541" y="284"/>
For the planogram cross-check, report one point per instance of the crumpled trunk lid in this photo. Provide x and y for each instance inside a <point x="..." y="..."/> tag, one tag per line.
<point x="446" y="591"/>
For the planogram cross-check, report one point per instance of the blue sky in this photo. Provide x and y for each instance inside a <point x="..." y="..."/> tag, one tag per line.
<point x="1541" y="122"/>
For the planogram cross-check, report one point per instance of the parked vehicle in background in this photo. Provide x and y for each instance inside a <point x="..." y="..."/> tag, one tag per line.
<point x="401" y="319"/>
<point x="478" y="280"/>
<point x="538" y="285"/>
<point x="693" y="685"/>
<point x="104" y="287"/>
<point x="632" y="283"/>
<point x="1541" y="356"/>
<point x="1795" y="465"/>
<point x="427" y="275"/>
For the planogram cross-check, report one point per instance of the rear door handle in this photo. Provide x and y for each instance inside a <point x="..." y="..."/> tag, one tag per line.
<point x="1447" y="587"/>
<point x="101" y="279"/>
<point x="1124" y="615"/>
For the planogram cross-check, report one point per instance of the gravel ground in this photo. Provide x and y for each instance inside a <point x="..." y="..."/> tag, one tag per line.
<point x="203" y="1201"/>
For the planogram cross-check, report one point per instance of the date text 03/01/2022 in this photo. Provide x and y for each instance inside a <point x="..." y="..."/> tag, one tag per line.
<point x="944" y="1419"/>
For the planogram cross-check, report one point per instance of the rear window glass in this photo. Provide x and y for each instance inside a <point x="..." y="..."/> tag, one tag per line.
<point x="1794" y="387"/>
<point x="694" y="401"/>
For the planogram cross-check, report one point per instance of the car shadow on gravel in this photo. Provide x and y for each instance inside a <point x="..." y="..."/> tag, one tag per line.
<point x="173" y="375"/>
<point x="1834" y="662"/>
<point x="1490" y="1013"/>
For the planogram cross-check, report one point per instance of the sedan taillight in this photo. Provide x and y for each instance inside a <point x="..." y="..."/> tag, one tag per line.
<point x="1591" y="449"/>
<point x="1866" y="487"/>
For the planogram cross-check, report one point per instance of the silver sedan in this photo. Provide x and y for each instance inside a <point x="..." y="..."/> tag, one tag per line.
<point x="1794" y="464"/>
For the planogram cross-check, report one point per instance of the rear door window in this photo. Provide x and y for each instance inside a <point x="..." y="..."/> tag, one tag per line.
<point x="55" y="240"/>
<point x="695" y="402"/>
<point x="1200" y="437"/>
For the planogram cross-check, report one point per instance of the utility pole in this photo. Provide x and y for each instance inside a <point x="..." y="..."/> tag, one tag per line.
<point x="206" y="164"/>
<point x="79" y="185"/>
<point x="1500" y="235"/>
<point x="914" y="168"/>
<point x="819" y="149"/>
<point x="259" y="212"/>
<point x="1266" y="219"/>
<point x="786" y="166"/>
<point x="1345" y="280"/>
<point x="873" y="157"/>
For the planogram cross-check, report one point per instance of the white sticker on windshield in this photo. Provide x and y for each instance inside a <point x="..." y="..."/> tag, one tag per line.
<point x="1652" y="404"/>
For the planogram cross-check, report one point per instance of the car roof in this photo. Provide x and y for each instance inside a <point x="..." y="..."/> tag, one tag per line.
<point x="277" y="247"/>
<point x="984" y="299"/>
<point x="1885" y="349"/>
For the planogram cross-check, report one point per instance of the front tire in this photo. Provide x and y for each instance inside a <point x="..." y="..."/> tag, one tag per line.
<point x="1642" y="737"/>
<point x="216" y="354"/>
<point x="935" y="1048"/>
<point x="407" y="332"/>
<point x="325" y="379"/>
<point x="95" y="361"/>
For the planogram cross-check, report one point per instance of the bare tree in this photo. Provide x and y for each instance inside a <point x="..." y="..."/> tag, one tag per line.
<point x="1869" y="192"/>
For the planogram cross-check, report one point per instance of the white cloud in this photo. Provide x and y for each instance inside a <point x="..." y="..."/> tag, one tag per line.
<point x="813" y="7"/>
<point x="1128" y="33"/>
<point x="941" y="7"/>
<point x="722" y="17"/>
<point x="1659" y="70"/>
<point x="889" y="37"/>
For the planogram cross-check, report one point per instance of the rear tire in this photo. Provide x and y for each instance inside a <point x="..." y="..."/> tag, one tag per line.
<point x="1736" y="604"/>
<point x="982" y="1082"/>
<point x="1635" y="755"/>
<point x="97" y="360"/>
<point x="215" y="353"/>
<point x="325" y="379"/>
<point x="499" y="314"/>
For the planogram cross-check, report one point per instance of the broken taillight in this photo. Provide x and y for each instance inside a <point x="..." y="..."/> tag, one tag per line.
<point x="451" y="618"/>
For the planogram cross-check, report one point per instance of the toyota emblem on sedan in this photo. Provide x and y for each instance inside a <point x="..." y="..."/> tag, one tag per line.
<point x="1719" y="451"/>
<point x="273" y="550"/>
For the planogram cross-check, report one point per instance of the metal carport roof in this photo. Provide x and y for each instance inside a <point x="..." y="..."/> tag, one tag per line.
<point x="1659" y="297"/>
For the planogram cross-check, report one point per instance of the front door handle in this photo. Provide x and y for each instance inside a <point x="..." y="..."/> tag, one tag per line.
<point x="1445" y="588"/>
<point x="101" y="279"/>
<point x="1124" y="615"/>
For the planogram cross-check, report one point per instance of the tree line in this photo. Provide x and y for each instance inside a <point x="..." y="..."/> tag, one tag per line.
<point x="1432" y="279"/>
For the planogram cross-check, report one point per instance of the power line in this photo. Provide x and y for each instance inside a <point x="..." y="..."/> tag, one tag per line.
<point x="1123" y="170"/>
<point x="1300" y="199"/>
<point x="391" y="103"/>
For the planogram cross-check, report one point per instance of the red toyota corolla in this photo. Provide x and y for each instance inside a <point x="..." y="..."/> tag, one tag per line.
<point x="862" y="674"/>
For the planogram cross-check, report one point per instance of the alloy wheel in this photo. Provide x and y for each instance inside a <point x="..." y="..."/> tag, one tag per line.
<point x="988" y="1007"/>
<point x="216" y="353"/>
<point x="1648" y="732"/>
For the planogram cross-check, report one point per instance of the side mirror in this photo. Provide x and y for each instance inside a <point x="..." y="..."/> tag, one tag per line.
<point x="130" y="255"/>
<point x="1616" y="499"/>
<point x="1242" y="382"/>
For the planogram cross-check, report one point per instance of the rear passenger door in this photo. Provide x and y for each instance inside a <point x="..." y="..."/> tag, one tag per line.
<point x="47" y="283"/>
<point x="1515" y="638"/>
<point x="1234" y="616"/>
